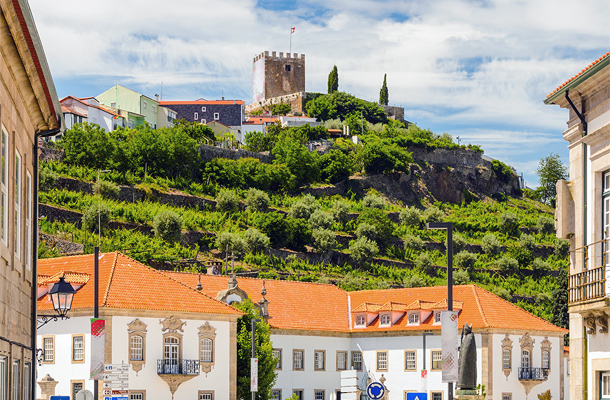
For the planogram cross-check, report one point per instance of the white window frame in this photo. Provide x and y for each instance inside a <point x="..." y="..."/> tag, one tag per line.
<point x="203" y="121"/>
<point x="525" y="352"/>
<point x="136" y="350"/>
<point x="137" y="395"/>
<point x="207" y="349"/>
<point x="381" y="360"/>
<point x="78" y="349"/>
<point x="48" y="349"/>
<point x="202" y="108"/>
<point x="356" y="358"/>
<point x="4" y="188"/>
<point x="413" y="318"/>
<point x="437" y="317"/>
<point x="385" y="319"/>
<point x="27" y="378"/>
<point x="277" y="354"/>
<point x="507" y="359"/>
<point x="546" y="359"/>
<point x="195" y="116"/>
<point x="29" y="211"/>
<point x="319" y="360"/>
<point x="360" y="321"/>
<point x="318" y="394"/>
<point x="18" y="203"/>
<point x="16" y="379"/>
<point x="298" y="355"/>
<point x="206" y="395"/>
<point x="276" y="394"/>
<point x="216" y="116"/>
<point x="341" y="360"/>
<point x="410" y="362"/>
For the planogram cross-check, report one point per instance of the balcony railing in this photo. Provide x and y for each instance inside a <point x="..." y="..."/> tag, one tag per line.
<point x="183" y="367"/>
<point x="587" y="285"/>
<point x="533" y="374"/>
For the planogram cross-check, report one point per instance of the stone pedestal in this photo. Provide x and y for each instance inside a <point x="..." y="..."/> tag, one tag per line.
<point x="468" y="395"/>
<point x="47" y="387"/>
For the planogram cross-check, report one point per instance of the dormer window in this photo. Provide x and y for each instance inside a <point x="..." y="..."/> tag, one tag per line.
<point x="414" y="318"/>
<point x="437" y="317"/>
<point x="360" y="320"/>
<point x="384" y="320"/>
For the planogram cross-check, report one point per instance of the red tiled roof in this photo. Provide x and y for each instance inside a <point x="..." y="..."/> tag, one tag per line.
<point x="127" y="284"/>
<point x="261" y="120"/>
<point x="367" y="307"/>
<point x="579" y="74"/>
<point x="210" y="102"/>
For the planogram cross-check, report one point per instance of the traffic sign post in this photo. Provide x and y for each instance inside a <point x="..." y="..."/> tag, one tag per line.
<point x="116" y="382"/>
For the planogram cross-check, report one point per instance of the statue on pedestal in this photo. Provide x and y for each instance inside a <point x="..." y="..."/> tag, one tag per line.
<point x="467" y="364"/>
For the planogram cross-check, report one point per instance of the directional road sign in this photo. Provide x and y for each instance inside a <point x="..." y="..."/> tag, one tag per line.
<point x="121" y="368"/>
<point x="115" y="385"/>
<point x="376" y="391"/>
<point x="417" y="396"/>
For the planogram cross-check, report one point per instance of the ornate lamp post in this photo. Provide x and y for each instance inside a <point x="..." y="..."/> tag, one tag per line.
<point x="61" y="295"/>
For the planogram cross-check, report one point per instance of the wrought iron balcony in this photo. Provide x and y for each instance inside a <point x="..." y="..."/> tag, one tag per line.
<point x="533" y="374"/>
<point x="175" y="367"/>
<point x="591" y="283"/>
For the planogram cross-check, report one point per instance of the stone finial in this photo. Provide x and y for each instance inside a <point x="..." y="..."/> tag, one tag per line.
<point x="264" y="304"/>
<point x="199" y="287"/>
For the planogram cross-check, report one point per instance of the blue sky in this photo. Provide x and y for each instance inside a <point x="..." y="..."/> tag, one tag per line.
<point x="475" y="69"/>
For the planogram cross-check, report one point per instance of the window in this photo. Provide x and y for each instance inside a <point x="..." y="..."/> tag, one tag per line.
<point x="437" y="317"/>
<point x="410" y="360"/>
<point x="382" y="361"/>
<point x="437" y="359"/>
<point x="357" y="360"/>
<point x="216" y="116"/>
<point x="277" y="354"/>
<point x="16" y="380"/>
<point x="48" y="348"/>
<point x="605" y="385"/>
<point x="4" y="188"/>
<point x="384" y="319"/>
<point x="318" y="394"/>
<point x="171" y="353"/>
<point x="546" y="359"/>
<point x="206" y="395"/>
<point x="436" y="396"/>
<point x="320" y="360"/>
<point x="287" y="67"/>
<point x="203" y="121"/>
<point x="113" y="104"/>
<point x="207" y="350"/>
<point x="506" y="359"/>
<point x="360" y="320"/>
<point x="3" y="378"/>
<point x="18" y="186"/>
<point x="196" y="116"/>
<point x="28" y="220"/>
<point x="341" y="360"/>
<point x="203" y="109"/>
<point x="525" y="359"/>
<point x="144" y="104"/>
<point x="27" y="376"/>
<point x="414" y="318"/>
<point x="507" y="396"/>
<point x="297" y="360"/>
<point x="276" y="394"/>
<point x="299" y="393"/>
<point x="137" y="395"/>
<point x="77" y="386"/>
<point x="78" y="348"/>
<point x="136" y="352"/>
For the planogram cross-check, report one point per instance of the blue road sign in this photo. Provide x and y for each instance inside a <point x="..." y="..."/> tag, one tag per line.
<point x="417" y="396"/>
<point x="375" y="391"/>
<point x="60" y="398"/>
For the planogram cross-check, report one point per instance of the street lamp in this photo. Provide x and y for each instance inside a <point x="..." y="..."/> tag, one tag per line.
<point x="61" y="295"/>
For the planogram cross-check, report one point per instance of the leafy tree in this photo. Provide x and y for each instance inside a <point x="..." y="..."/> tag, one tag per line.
<point x="545" y="396"/>
<point x="545" y="224"/>
<point x="304" y="207"/>
<point x="263" y="351"/>
<point x="424" y="263"/>
<point x="256" y="241"/>
<point x="367" y="230"/>
<point x="257" y="200"/>
<point x="373" y="201"/>
<point x="341" y="105"/>
<point x="561" y="247"/>
<point x="228" y="243"/>
<point x="539" y="266"/>
<point x="195" y="130"/>
<point x="507" y="265"/>
<point x="91" y="217"/>
<point x="409" y="216"/>
<point x="380" y="220"/>
<point x="528" y="242"/>
<point x="321" y="220"/>
<point x="465" y="260"/>
<point x="47" y="178"/>
<point x="459" y="243"/>
<point x="280" y="109"/>
<point x="324" y="239"/>
<point x="383" y="93"/>
<point x="333" y="80"/>
<point x="335" y="166"/>
<point x="490" y="244"/>
<point x="108" y="190"/>
<point x="509" y="223"/>
<point x="380" y="156"/>
<point x="227" y="200"/>
<point x="414" y="281"/>
<point x="258" y="141"/>
<point x="88" y="145"/>
<point x="412" y="242"/>
<point x="300" y="162"/>
<point x="275" y="226"/>
<point x="559" y="305"/>
<point x="461" y="277"/>
<point x="550" y="170"/>
<point x="340" y="211"/>
<point x="168" y="226"/>
<point x="433" y="214"/>
<point x="363" y="250"/>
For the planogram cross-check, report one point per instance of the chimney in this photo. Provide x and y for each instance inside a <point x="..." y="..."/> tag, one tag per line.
<point x="223" y="97"/>
<point x="157" y="97"/>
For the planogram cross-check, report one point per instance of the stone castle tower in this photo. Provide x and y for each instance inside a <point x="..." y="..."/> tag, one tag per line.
<point x="276" y="78"/>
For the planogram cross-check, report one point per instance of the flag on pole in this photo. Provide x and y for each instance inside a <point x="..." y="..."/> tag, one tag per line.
<point x="293" y="28"/>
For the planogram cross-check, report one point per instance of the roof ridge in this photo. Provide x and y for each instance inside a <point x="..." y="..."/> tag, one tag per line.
<point x="260" y="279"/>
<point x="476" y="299"/>
<point x="116" y="258"/>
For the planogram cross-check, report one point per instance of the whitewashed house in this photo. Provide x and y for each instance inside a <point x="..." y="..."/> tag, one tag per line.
<point x="179" y="343"/>
<point x="319" y="330"/>
<point x="90" y="110"/>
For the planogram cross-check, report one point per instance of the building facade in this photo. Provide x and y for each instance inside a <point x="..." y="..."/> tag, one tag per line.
<point x="179" y="343"/>
<point x="89" y="110"/>
<point x="583" y="217"/>
<point x="29" y="109"/>
<point x="227" y="112"/>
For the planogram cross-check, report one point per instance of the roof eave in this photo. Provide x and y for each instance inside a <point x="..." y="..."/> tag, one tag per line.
<point x="551" y="99"/>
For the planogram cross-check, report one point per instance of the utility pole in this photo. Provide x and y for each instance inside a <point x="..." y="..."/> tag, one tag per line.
<point x="253" y="321"/>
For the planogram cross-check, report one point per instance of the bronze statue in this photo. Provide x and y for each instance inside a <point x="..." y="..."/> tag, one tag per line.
<point x="467" y="364"/>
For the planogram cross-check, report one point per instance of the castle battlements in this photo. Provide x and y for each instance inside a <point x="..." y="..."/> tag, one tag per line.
<point x="280" y="55"/>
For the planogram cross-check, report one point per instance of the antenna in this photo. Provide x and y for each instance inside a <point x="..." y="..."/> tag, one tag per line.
<point x="161" y="90"/>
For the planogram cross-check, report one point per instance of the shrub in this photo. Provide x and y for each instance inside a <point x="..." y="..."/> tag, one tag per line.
<point x="299" y="234"/>
<point x="409" y="216"/>
<point x="167" y="225"/>
<point x="461" y="277"/>
<point x="90" y="217"/>
<point x="507" y="265"/>
<point x="562" y="247"/>
<point x="413" y="281"/>
<point x="275" y="226"/>
<point x="324" y="240"/>
<point x="380" y="219"/>
<point x="509" y="223"/>
<point x="539" y="266"/>
<point x="227" y="200"/>
<point x="256" y="241"/>
<point x="363" y="250"/>
<point x="412" y="242"/>
<point x="545" y="224"/>
<point x="304" y="207"/>
<point x="501" y="292"/>
<point x="528" y="242"/>
<point x="46" y="179"/>
<point x="367" y="230"/>
<point x="257" y="200"/>
<point x="373" y="201"/>
<point x="340" y="211"/>
<point x="459" y="243"/>
<point x="321" y="220"/>
<point x="424" y="263"/>
<point x="228" y="243"/>
<point x="490" y="245"/>
<point x="433" y="214"/>
<point x="465" y="260"/>
<point x="351" y="282"/>
<point x="106" y="189"/>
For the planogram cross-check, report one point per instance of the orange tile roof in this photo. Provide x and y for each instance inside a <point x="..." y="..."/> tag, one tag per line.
<point x="292" y="305"/>
<point x="579" y="74"/>
<point x="261" y="120"/>
<point x="442" y="305"/>
<point x="71" y="277"/>
<point x="392" y="306"/>
<point x="218" y="102"/>
<point x="314" y="306"/>
<point x="421" y="305"/>
<point x="127" y="284"/>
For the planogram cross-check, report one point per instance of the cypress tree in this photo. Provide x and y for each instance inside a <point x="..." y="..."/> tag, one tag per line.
<point x="383" y="93"/>
<point x="333" y="80"/>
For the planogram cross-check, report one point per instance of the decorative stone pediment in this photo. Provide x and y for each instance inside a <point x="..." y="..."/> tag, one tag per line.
<point x="172" y="324"/>
<point x="546" y="344"/>
<point x="527" y="342"/>
<point x="136" y="326"/>
<point x="232" y="293"/>
<point x="207" y="330"/>
<point x="507" y="344"/>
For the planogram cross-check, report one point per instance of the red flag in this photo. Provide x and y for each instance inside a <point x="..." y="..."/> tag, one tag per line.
<point x="293" y="28"/>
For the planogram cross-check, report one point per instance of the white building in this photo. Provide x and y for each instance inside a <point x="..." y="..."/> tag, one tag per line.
<point x="320" y="330"/>
<point x="583" y="217"/>
<point x="89" y="110"/>
<point x="179" y="343"/>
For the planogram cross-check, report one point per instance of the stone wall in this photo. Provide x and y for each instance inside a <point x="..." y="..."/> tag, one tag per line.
<point x="284" y="73"/>
<point x="209" y="152"/>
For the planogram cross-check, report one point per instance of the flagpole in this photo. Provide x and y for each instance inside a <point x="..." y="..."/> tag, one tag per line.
<point x="290" y="41"/>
